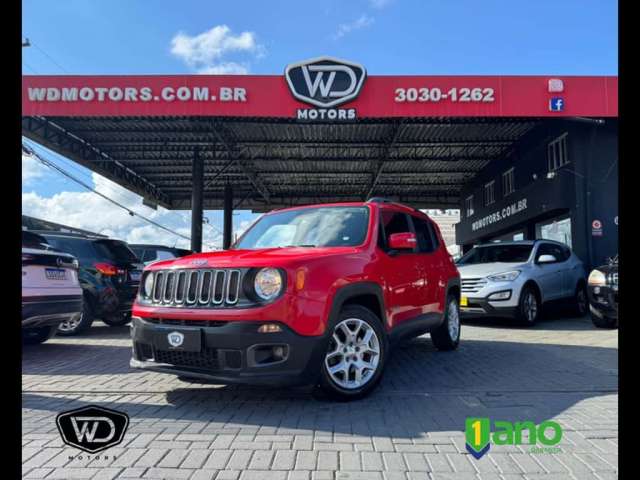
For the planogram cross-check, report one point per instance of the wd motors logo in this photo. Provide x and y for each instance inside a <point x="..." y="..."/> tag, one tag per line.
<point x="325" y="82"/>
<point x="92" y="428"/>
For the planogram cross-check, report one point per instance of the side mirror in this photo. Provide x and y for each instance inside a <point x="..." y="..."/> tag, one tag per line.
<point x="547" y="259"/>
<point x="402" y="241"/>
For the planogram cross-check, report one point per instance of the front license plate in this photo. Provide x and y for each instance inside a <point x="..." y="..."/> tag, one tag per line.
<point x="135" y="276"/>
<point x="176" y="339"/>
<point x="55" y="273"/>
<point x="464" y="302"/>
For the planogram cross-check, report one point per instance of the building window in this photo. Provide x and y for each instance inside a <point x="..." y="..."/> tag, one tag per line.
<point x="508" y="186"/>
<point x="468" y="206"/>
<point x="557" y="154"/>
<point x="489" y="193"/>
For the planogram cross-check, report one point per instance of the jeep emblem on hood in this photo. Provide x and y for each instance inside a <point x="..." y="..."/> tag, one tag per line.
<point x="325" y="81"/>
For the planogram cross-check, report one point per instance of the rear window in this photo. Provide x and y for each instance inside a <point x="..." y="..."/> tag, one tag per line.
<point x="81" y="248"/>
<point x="115" y="250"/>
<point x="33" y="240"/>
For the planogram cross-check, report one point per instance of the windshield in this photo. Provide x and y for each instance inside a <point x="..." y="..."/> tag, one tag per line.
<point x="309" y="227"/>
<point x="497" y="253"/>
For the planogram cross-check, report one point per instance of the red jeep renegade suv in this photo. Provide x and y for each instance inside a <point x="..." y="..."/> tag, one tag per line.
<point x="308" y="295"/>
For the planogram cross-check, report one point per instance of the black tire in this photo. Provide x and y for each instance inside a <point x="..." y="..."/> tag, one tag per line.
<point x="604" y="321"/>
<point x="331" y="387"/>
<point x="527" y="314"/>
<point x="117" y="320"/>
<point x="445" y="338"/>
<point x="580" y="303"/>
<point x="34" y="336"/>
<point x="86" y="318"/>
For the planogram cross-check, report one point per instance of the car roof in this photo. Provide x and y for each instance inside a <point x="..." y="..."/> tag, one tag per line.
<point x="523" y="242"/>
<point x="374" y="201"/>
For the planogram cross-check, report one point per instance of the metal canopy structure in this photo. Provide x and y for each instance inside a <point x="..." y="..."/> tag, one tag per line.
<point x="258" y="142"/>
<point x="273" y="163"/>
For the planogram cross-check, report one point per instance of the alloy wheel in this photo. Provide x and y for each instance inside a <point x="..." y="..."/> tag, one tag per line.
<point x="71" y="323"/>
<point x="353" y="355"/>
<point x="453" y="317"/>
<point x="531" y="306"/>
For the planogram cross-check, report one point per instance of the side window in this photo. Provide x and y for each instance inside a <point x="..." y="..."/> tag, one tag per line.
<point x="392" y="222"/>
<point x="165" y="255"/>
<point x="427" y="240"/>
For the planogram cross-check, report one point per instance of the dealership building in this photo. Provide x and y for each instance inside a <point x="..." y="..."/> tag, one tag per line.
<point x="521" y="157"/>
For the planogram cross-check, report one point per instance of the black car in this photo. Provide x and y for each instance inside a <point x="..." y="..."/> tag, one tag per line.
<point x="151" y="253"/>
<point x="603" y="294"/>
<point x="109" y="275"/>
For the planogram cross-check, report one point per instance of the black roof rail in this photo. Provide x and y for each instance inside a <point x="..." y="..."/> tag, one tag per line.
<point x="380" y="200"/>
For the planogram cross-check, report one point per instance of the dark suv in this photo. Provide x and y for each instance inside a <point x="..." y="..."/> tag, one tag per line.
<point x="109" y="275"/>
<point x="308" y="295"/>
<point x="152" y="253"/>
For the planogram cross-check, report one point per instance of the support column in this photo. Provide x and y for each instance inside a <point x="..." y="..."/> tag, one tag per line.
<point x="228" y="217"/>
<point x="197" y="174"/>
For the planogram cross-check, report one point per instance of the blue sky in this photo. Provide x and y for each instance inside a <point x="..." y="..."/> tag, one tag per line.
<point x="567" y="37"/>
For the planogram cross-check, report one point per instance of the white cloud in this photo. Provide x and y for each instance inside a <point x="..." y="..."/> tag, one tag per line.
<point x="361" y="22"/>
<point x="207" y="51"/>
<point x="91" y="212"/>
<point x="32" y="169"/>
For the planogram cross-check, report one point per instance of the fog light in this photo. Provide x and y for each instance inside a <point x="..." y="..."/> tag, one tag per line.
<point x="505" y="295"/>
<point x="269" y="328"/>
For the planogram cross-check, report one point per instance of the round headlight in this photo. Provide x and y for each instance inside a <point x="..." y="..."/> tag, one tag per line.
<point x="268" y="283"/>
<point x="597" y="278"/>
<point x="147" y="288"/>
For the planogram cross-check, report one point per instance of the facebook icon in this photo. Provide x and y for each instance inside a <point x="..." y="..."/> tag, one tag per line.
<point x="556" y="104"/>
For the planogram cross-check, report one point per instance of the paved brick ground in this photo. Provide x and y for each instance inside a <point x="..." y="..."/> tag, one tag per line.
<point x="410" y="428"/>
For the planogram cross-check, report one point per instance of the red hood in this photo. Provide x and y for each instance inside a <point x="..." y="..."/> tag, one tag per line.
<point x="264" y="257"/>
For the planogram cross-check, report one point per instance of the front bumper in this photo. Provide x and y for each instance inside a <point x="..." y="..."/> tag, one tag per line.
<point x="604" y="303"/>
<point x="49" y="310"/>
<point x="482" y="307"/>
<point x="229" y="352"/>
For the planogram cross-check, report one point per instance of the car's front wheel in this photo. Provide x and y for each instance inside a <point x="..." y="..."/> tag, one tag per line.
<point x="447" y="335"/>
<point x="356" y="355"/>
<point x="528" y="307"/>
<point x="580" y="301"/>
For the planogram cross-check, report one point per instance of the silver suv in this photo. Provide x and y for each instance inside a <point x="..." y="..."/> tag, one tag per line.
<point x="514" y="279"/>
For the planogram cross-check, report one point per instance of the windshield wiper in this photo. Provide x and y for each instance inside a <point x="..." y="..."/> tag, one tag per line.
<point x="302" y="245"/>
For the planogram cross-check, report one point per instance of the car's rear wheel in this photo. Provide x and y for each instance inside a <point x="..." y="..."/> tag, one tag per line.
<point x="78" y="323"/>
<point x="528" y="307"/>
<point x="34" y="336"/>
<point x="447" y="335"/>
<point x="356" y="355"/>
<point x="117" y="320"/>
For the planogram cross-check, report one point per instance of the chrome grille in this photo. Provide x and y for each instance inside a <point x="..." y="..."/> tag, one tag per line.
<point x="195" y="287"/>
<point x="473" y="285"/>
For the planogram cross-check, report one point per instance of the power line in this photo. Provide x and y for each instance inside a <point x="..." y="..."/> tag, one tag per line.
<point x="75" y="167"/>
<point x="60" y="170"/>
<point x="49" y="57"/>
